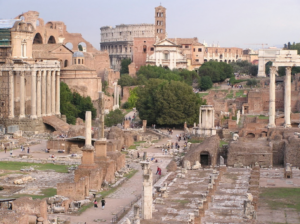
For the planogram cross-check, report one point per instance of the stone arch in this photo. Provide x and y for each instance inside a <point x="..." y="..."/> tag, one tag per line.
<point x="50" y="25"/>
<point x="263" y="134"/>
<point x="83" y="46"/>
<point x="51" y="40"/>
<point x="69" y="45"/>
<point x="205" y="158"/>
<point x="250" y="135"/>
<point x="37" y="39"/>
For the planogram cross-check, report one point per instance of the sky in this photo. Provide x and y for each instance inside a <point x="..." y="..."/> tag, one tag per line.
<point x="229" y="23"/>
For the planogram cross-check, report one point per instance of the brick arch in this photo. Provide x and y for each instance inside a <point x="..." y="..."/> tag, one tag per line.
<point x="38" y="39"/>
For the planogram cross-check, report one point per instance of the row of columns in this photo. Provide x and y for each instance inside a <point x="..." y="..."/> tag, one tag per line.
<point x="45" y="93"/>
<point x="287" y="98"/>
<point x="207" y="117"/>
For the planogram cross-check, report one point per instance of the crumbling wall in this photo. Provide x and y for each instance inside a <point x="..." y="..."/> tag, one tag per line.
<point x="292" y="151"/>
<point x="76" y="190"/>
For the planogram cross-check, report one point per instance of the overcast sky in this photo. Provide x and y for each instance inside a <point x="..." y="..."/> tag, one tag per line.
<point x="231" y="23"/>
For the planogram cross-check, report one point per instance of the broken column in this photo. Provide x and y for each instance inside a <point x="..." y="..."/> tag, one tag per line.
<point x="287" y="97"/>
<point x="144" y="125"/>
<point x="272" y="98"/>
<point x="136" y="218"/>
<point x="101" y="143"/>
<point x="147" y="191"/>
<point x="116" y="96"/>
<point x="87" y="159"/>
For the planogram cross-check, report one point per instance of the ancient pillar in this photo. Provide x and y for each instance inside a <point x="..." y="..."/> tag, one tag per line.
<point x="101" y="115"/>
<point x="238" y="115"/>
<point x="49" y="93"/>
<point x="11" y="95"/>
<point x="287" y="98"/>
<point x="44" y="93"/>
<point x="57" y="107"/>
<point x="272" y="98"/>
<point x="144" y="125"/>
<point x="33" y="95"/>
<point x="87" y="159"/>
<point x="200" y="115"/>
<point x="53" y="93"/>
<point x="38" y="95"/>
<point x="147" y="191"/>
<point x="118" y="96"/>
<point x="22" y="94"/>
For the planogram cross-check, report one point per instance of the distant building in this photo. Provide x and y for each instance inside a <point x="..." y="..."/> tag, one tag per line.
<point x="223" y="54"/>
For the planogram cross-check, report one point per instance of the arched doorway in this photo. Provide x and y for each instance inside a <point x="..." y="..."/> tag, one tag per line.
<point x="263" y="134"/>
<point x="205" y="158"/>
<point x="38" y="39"/>
<point x="250" y="135"/>
<point x="51" y="40"/>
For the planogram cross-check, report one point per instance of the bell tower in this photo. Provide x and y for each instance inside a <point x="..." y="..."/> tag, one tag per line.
<point x="160" y="22"/>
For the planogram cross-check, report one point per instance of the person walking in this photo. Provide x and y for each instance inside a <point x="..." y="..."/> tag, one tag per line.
<point x="157" y="170"/>
<point x="28" y="150"/>
<point x="95" y="204"/>
<point x="103" y="203"/>
<point x="5" y="149"/>
<point x="138" y="155"/>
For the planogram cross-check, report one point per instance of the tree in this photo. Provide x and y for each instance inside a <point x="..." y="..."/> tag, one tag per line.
<point x="80" y="47"/>
<point x="167" y="103"/>
<point x="126" y="80"/>
<point x="251" y="82"/>
<point x="133" y="97"/>
<point x="217" y="71"/>
<point x="124" y="66"/>
<point x="206" y="83"/>
<point x="73" y="105"/>
<point x="254" y="70"/>
<point x="113" y="118"/>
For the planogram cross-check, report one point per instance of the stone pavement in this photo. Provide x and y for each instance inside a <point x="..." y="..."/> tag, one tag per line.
<point x="124" y="194"/>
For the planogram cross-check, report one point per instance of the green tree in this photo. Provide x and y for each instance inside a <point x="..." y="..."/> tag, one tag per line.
<point x="80" y="47"/>
<point x="127" y="80"/>
<point x="166" y="103"/>
<point x="133" y="97"/>
<point x="253" y="70"/>
<point x="251" y="82"/>
<point x="217" y="71"/>
<point x="124" y="66"/>
<point x="113" y="118"/>
<point x="206" y="83"/>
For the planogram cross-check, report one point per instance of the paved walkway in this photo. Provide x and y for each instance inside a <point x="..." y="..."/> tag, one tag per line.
<point x="126" y="193"/>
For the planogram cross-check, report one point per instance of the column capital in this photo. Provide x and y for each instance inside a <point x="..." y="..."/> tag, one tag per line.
<point x="288" y="70"/>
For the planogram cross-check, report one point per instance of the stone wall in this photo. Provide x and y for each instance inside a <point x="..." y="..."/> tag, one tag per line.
<point x="292" y="151"/>
<point x="76" y="190"/>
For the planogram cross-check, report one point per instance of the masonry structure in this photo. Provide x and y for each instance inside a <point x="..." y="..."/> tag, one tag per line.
<point x="206" y="121"/>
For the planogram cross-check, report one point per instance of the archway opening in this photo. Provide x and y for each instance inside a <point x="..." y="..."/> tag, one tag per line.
<point x="263" y="134"/>
<point x="82" y="46"/>
<point x="250" y="135"/>
<point x="205" y="158"/>
<point x="69" y="45"/>
<point x="51" y="40"/>
<point x="38" y="39"/>
<point x="50" y="25"/>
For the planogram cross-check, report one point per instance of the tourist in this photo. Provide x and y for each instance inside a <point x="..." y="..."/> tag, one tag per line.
<point x="95" y="204"/>
<point x="157" y="170"/>
<point x="138" y="155"/>
<point x="103" y="203"/>
<point x="166" y="151"/>
<point x="5" y="149"/>
<point x="28" y="150"/>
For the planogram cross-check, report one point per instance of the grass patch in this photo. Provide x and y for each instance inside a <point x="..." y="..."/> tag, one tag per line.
<point x="195" y="141"/>
<point x="259" y="116"/>
<point x="229" y="96"/>
<point x="240" y="93"/>
<point x="127" y="111"/>
<point x="278" y="198"/>
<point x="48" y="192"/>
<point x="132" y="147"/>
<point x="130" y="174"/>
<point x="156" y="141"/>
<point x="203" y="94"/>
<point x="223" y="143"/>
<point x="37" y="166"/>
<point x="138" y="143"/>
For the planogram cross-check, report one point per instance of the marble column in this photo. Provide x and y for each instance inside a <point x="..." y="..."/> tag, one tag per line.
<point x="88" y="129"/>
<point x="118" y="96"/>
<point x="38" y="95"/>
<point x="33" y="95"/>
<point x="53" y="93"/>
<point x="272" y="98"/>
<point x="200" y="116"/>
<point x="57" y="107"/>
<point x="49" y="93"/>
<point x="11" y="95"/>
<point x="115" y="94"/>
<point x="44" y="93"/>
<point x="22" y="94"/>
<point x="287" y="97"/>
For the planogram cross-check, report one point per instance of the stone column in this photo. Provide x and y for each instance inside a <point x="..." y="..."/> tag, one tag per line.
<point x="44" y="93"/>
<point x="272" y="98"/>
<point x="287" y="98"/>
<point x="53" y="93"/>
<point x="147" y="191"/>
<point x="49" y="93"/>
<point x="118" y="96"/>
<point x="33" y="95"/>
<point x="38" y="95"/>
<point x="57" y="107"/>
<point x="101" y="109"/>
<point x="11" y="95"/>
<point x="22" y="95"/>
<point x="200" y="116"/>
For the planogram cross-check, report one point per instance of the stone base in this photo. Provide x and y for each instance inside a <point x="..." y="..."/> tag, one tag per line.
<point x="25" y="124"/>
<point x="287" y="125"/>
<point x="115" y="107"/>
<point x="271" y="126"/>
<point x="204" y="132"/>
<point x="100" y="148"/>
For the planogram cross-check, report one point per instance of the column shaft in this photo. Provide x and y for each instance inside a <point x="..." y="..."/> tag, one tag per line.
<point x="57" y="107"/>
<point x="272" y="98"/>
<point x="49" y="93"/>
<point x="22" y="95"/>
<point x="38" y="95"/>
<point x="44" y="93"/>
<point x="200" y="115"/>
<point x="287" y="98"/>
<point x="53" y="93"/>
<point x="88" y="128"/>
<point x="33" y="95"/>
<point x="11" y="95"/>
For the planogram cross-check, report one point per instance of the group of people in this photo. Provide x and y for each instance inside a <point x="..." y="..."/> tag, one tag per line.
<point x="170" y="131"/>
<point x="102" y="203"/>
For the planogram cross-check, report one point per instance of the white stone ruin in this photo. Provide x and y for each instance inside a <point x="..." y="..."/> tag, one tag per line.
<point x="206" y="122"/>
